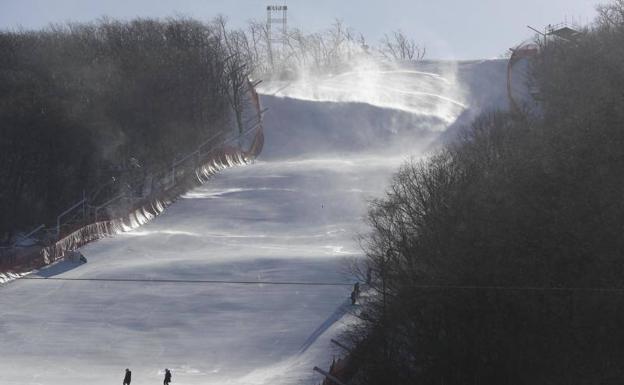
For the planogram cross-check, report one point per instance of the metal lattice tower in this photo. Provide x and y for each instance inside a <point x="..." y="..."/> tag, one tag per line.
<point x="277" y="28"/>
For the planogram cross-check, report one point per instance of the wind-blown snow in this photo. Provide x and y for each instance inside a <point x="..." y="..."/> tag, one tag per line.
<point x="292" y="216"/>
<point x="433" y="94"/>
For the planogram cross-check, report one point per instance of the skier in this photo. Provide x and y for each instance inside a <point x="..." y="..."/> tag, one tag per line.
<point x="127" y="377"/>
<point x="167" y="377"/>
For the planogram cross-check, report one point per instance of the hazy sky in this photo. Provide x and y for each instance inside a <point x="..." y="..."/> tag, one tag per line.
<point x="461" y="29"/>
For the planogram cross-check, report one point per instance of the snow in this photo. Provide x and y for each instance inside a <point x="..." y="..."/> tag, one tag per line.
<point x="8" y="277"/>
<point x="292" y="216"/>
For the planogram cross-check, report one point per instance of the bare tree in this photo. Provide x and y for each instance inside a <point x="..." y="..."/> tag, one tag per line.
<point x="612" y="14"/>
<point x="331" y="50"/>
<point x="401" y="47"/>
<point x="237" y="66"/>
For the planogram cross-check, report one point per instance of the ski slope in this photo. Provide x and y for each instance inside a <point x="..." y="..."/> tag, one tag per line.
<point x="293" y="216"/>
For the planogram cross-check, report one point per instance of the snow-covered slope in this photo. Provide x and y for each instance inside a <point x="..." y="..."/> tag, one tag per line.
<point x="291" y="217"/>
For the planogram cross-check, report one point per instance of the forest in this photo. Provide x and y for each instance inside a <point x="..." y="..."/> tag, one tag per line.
<point x="93" y="109"/>
<point x="499" y="260"/>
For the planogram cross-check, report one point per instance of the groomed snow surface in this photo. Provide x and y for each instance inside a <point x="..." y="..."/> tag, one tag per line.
<point x="293" y="216"/>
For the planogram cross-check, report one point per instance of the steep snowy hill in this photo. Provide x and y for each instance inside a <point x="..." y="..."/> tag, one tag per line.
<point x="290" y="217"/>
<point x="412" y="102"/>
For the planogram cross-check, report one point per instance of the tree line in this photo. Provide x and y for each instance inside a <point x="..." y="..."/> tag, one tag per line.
<point x="96" y="107"/>
<point x="499" y="260"/>
<point x="335" y="49"/>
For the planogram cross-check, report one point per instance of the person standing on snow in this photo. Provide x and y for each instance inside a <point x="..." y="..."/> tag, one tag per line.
<point x="167" y="377"/>
<point x="127" y="377"/>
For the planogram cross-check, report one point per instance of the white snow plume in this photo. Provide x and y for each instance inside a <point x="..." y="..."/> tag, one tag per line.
<point x="425" y="89"/>
<point x="369" y="107"/>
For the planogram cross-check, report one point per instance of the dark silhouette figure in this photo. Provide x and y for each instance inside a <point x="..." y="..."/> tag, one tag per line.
<point x="127" y="377"/>
<point x="167" y="377"/>
<point x="356" y="288"/>
<point x="353" y="297"/>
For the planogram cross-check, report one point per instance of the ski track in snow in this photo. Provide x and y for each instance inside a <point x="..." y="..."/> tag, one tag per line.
<point x="292" y="216"/>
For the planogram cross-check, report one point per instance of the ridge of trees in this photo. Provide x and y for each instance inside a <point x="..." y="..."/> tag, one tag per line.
<point x="86" y="104"/>
<point x="500" y="258"/>
<point x="329" y="51"/>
